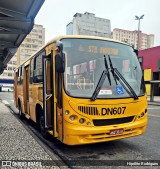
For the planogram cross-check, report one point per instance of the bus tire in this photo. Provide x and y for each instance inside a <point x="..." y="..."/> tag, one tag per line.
<point x="41" y="126"/>
<point x="21" y="115"/>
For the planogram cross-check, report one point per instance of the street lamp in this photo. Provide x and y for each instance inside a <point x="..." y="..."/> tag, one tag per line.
<point x="138" y="18"/>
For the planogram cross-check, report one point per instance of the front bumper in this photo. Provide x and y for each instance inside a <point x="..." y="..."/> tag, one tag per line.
<point x="78" y="134"/>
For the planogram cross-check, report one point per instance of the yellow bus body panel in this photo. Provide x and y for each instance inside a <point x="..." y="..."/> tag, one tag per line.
<point x="72" y="132"/>
<point x="76" y="133"/>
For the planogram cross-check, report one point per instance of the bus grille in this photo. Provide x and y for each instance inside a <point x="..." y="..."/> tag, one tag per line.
<point x="88" y="110"/>
<point x="105" y="122"/>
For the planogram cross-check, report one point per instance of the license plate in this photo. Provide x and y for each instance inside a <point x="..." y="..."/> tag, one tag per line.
<point x="116" y="131"/>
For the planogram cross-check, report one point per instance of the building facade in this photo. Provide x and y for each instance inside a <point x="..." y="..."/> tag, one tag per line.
<point x="131" y="37"/>
<point x="89" y="24"/>
<point x="33" y="41"/>
<point x="9" y="71"/>
<point x="150" y="62"/>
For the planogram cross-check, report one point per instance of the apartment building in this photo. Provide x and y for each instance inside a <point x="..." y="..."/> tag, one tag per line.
<point x="33" y="41"/>
<point x="131" y="37"/>
<point x="89" y="24"/>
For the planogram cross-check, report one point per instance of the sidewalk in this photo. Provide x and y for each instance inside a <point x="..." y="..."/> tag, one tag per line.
<point x="17" y="144"/>
<point x="156" y="101"/>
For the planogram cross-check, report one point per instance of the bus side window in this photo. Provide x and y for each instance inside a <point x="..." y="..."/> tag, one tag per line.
<point x="22" y="69"/>
<point x="31" y="70"/>
<point x="20" y="75"/>
<point x="37" y="73"/>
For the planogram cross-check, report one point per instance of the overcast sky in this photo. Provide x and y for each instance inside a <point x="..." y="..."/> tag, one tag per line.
<point x="56" y="14"/>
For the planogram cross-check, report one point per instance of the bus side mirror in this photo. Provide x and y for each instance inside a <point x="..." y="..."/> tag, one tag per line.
<point x="136" y="51"/>
<point x="60" y="62"/>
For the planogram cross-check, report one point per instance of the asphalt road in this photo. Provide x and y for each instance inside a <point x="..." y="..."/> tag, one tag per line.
<point x="144" y="147"/>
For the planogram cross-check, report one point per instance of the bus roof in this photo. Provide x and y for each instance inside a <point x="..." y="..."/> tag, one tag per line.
<point x="71" y="36"/>
<point x="84" y="37"/>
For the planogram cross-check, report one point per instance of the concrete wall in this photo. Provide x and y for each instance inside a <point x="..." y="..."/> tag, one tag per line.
<point x="88" y="24"/>
<point x="150" y="58"/>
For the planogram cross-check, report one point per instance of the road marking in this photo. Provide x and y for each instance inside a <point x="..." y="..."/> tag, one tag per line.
<point x="5" y="102"/>
<point x="153" y="108"/>
<point x="153" y="115"/>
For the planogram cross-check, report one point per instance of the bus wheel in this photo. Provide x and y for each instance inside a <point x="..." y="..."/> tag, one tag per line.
<point x="21" y="115"/>
<point x="41" y="126"/>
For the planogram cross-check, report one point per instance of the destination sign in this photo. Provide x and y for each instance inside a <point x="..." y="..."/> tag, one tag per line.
<point x="103" y="50"/>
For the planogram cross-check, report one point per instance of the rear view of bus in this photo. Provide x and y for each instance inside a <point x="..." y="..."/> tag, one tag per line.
<point x="103" y="91"/>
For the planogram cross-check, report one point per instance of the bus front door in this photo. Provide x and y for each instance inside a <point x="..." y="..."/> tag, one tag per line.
<point x="48" y="94"/>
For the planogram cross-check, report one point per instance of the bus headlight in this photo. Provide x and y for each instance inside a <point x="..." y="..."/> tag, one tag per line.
<point x="72" y="117"/>
<point x="67" y="112"/>
<point x="81" y="120"/>
<point x="141" y="115"/>
<point x="88" y="123"/>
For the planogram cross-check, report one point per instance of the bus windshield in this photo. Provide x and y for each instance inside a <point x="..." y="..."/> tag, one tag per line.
<point x="85" y="64"/>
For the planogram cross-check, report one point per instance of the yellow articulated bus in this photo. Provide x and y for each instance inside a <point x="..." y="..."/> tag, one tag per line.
<point x="82" y="90"/>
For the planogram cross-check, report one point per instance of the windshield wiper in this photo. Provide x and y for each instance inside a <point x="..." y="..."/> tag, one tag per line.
<point x="101" y="80"/>
<point x="106" y="65"/>
<point x="112" y="70"/>
<point x="117" y="75"/>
